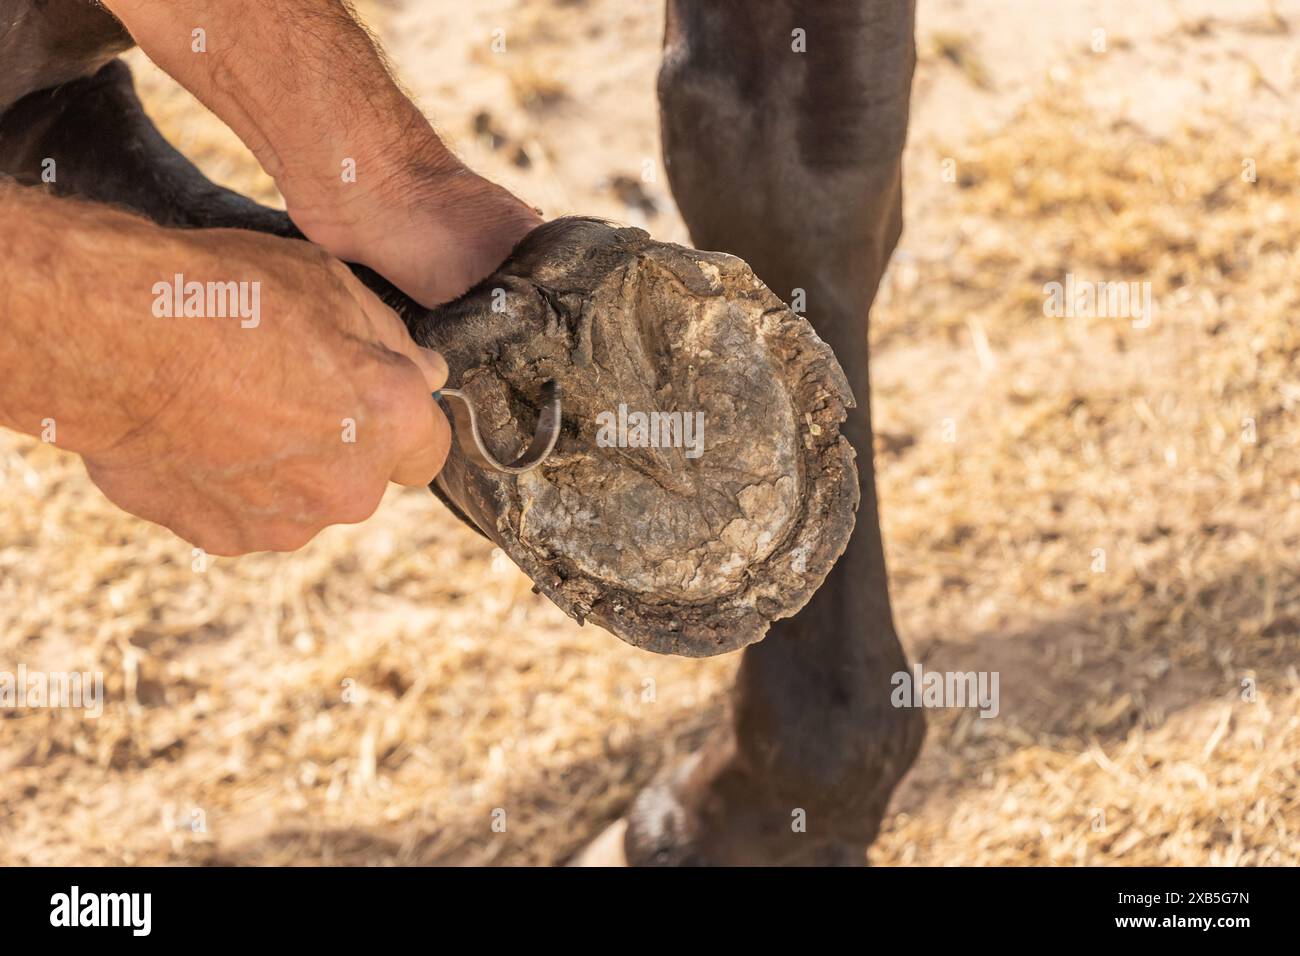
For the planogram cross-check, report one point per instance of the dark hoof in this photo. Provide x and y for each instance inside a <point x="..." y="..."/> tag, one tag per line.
<point x="695" y="543"/>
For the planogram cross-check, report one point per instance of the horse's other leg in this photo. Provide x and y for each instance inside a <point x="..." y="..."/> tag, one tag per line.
<point x="45" y="43"/>
<point x="783" y="135"/>
<point x="105" y="148"/>
<point x="70" y="119"/>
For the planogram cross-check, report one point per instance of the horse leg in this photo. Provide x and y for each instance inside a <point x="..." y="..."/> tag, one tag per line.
<point x="783" y="134"/>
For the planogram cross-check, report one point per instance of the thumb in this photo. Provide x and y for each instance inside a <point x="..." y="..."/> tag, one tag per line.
<point x="393" y="336"/>
<point x="431" y="363"/>
<point x="424" y="434"/>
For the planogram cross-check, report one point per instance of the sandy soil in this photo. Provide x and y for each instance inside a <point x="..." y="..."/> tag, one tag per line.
<point x="387" y="693"/>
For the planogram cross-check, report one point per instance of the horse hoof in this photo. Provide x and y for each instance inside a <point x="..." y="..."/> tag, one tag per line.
<point x="700" y="488"/>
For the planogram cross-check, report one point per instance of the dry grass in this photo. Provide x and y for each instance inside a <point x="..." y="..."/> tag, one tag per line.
<point x="1121" y="689"/>
<point x="375" y="697"/>
<point x="958" y="50"/>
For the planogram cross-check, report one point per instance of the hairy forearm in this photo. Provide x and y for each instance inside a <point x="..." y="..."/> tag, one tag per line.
<point x="362" y="172"/>
<point x="75" y="282"/>
<point x="300" y="81"/>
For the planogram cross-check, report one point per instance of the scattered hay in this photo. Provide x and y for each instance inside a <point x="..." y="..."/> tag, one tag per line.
<point x="1123" y="737"/>
<point x="957" y="49"/>
<point x="1112" y="521"/>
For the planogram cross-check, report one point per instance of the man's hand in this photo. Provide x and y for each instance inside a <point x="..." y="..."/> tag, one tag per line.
<point x="362" y="172"/>
<point x="244" y="433"/>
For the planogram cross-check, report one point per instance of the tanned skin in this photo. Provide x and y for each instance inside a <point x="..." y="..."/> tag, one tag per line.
<point x="234" y="437"/>
<point x="304" y="86"/>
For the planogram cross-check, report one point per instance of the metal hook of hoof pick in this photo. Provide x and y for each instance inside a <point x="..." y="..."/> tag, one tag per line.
<point x="465" y="423"/>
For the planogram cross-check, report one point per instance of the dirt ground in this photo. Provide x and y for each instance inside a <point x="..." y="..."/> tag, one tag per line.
<point x="1107" y="515"/>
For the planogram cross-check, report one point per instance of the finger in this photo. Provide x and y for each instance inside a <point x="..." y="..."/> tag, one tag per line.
<point x="423" y="434"/>
<point x="431" y="363"/>
<point x="193" y="519"/>
<point x="286" y="536"/>
<point x="393" y="335"/>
